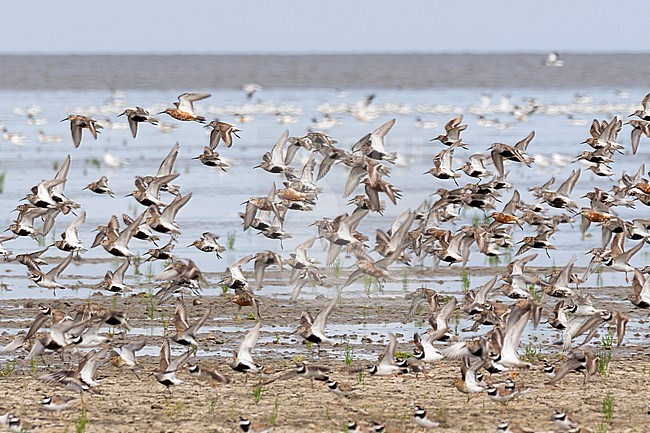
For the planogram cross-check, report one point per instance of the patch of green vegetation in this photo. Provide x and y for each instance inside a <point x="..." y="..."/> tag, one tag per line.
<point x="8" y="369"/>
<point x="531" y="354"/>
<point x="273" y="419"/>
<point x="405" y="281"/>
<point x="213" y="405"/>
<point x="402" y="355"/>
<point x="176" y="409"/>
<point x="607" y="340"/>
<point x="347" y="353"/>
<point x="441" y="416"/>
<point x="34" y="363"/>
<point x="257" y="394"/>
<point x="535" y="294"/>
<point x="464" y="280"/>
<point x="456" y="321"/>
<point x="149" y="273"/>
<point x="336" y="268"/>
<point x="151" y="308"/>
<point x="599" y="276"/>
<point x="361" y="378"/>
<point x="82" y="422"/>
<point x="231" y="237"/>
<point x="136" y="265"/>
<point x="166" y="321"/>
<point x="604" y="358"/>
<point x="608" y="408"/>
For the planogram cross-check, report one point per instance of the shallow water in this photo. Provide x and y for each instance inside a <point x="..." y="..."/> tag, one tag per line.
<point x="218" y="196"/>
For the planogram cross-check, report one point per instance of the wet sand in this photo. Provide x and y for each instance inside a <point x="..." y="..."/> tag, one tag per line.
<point x="127" y="404"/>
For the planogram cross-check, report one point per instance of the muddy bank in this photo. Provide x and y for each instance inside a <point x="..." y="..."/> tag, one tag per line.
<point x="359" y="325"/>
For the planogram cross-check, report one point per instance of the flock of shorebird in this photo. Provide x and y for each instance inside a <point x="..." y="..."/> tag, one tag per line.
<point x="414" y="233"/>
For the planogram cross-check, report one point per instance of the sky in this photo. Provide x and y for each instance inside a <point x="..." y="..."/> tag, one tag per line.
<point x="322" y="26"/>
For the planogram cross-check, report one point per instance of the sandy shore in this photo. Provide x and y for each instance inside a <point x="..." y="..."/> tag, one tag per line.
<point x="127" y="404"/>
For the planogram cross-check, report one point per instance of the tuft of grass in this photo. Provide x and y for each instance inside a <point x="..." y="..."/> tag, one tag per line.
<point x="604" y="358"/>
<point x="361" y="378"/>
<point x="347" y="353"/>
<point x="336" y="268"/>
<point x="405" y="281"/>
<point x="231" y="237"/>
<point x="96" y="163"/>
<point x="367" y="284"/>
<point x="531" y="354"/>
<point x="151" y="308"/>
<point x="8" y="369"/>
<point x="599" y="276"/>
<point x="607" y="340"/>
<point x="166" y="321"/>
<point x="441" y="415"/>
<point x="535" y="294"/>
<point x="224" y="289"/>
<point x="149" y="273"/>
<point x="82" y="422"/>
<point x="136" y="265"/>
<point x="2" y="182"/>
<point x="34" y="364"/>
<point x="273" y="419"/>
<point x="608" y="408"/>
<point x="257" y="394"/>
<point x="456" y="321"/>
<point x="213" y="405"/>
<point x="176" y="409"/>
<point x="464" y="280"/>
<point x="402" y="355"/>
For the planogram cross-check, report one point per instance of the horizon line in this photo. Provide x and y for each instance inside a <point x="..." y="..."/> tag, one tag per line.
<point x="324" y="53"/>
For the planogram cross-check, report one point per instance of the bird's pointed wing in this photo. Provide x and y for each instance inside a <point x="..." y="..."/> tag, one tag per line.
<point x="249" y="343"/>
<point x="165" y="355"/>
<point x="167" y="165"/>
<point x="76" y="134"/>
<point x="186" y="100"/>
<point x="180" y="317"/>
<point x="196" y="325"/>
<point x="56" y="271"/>
<point x="514" y="328"/>
<point x="321" y="319"/>
<point x="389" y="354"/>
<point x="570" y="183"/>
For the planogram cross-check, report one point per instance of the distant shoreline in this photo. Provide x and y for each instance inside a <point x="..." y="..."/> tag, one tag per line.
<point x="485" y="71"/>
